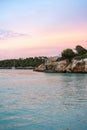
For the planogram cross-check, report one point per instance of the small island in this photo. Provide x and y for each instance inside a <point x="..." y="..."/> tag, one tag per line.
<point x="69" y="62"/>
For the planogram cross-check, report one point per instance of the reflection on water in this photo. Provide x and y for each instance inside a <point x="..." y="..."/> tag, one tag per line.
<point x="42" y="101"/>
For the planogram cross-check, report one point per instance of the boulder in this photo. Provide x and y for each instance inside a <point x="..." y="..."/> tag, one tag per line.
<point x="40" y="68"/>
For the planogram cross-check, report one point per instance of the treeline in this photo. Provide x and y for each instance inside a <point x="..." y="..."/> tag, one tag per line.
<point x="28" y="62"/>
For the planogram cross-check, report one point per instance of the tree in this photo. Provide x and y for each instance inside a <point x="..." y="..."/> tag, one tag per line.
<point x="80" y="50"/>
<point x="68" y="54"/>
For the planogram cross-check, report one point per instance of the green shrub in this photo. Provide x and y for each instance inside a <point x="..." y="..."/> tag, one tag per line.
<point x="80" y="50"/>
<point x="79" y="57"/>
<point x="68" y="54"/>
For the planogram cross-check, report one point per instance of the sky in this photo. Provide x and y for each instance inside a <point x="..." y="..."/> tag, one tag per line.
<point x="30" y="28"/>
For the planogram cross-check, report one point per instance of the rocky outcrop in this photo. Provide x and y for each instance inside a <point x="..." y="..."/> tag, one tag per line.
<point x="75" y="66"/>
<point x="40" y="68"/>
<point x="57" y="66"/>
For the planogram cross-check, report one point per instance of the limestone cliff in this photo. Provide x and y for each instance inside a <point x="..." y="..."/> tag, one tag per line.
<point x="75" y="66"/>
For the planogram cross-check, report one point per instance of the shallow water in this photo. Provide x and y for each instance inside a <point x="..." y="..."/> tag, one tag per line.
<point x="42" y="101"/>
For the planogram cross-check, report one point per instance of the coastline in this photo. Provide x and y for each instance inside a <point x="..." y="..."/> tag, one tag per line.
<point x="30" y="68"/>
<point x="63" y="66"/>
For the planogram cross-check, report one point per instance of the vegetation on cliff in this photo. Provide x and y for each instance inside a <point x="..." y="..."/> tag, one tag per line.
<point x="69" y="62"/>
<point x="80" y="53"/>
<point x="68" y="54"/>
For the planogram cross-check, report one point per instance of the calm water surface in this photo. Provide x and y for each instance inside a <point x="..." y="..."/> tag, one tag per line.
<point x="42" y="101"/>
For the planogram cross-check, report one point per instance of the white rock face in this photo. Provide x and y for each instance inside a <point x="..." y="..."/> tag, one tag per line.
<point x="77" y="66"/>
<point x="50" y="60"/>
<point x="85" y="64"/>
<point x="85" y="59"/>
<point x="61" y="66"/>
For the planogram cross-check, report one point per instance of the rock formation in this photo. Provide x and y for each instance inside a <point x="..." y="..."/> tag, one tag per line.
<point x="75" y="66"/>
<point x="40" y="68"/>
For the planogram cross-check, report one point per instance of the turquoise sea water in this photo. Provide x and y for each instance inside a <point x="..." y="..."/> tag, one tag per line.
<point x="42" y="101"/>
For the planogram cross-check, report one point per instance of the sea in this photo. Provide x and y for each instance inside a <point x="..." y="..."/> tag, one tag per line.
<point x="32" y="100"/>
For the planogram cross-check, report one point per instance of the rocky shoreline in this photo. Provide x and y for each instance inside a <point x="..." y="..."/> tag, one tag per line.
<point x="63" y="66"/>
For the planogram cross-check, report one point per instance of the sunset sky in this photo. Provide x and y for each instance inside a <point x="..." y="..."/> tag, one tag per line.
<point x="41" y="27"/>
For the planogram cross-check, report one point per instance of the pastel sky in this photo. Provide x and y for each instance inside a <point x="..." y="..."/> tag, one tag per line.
<point x="41" y="27"/>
